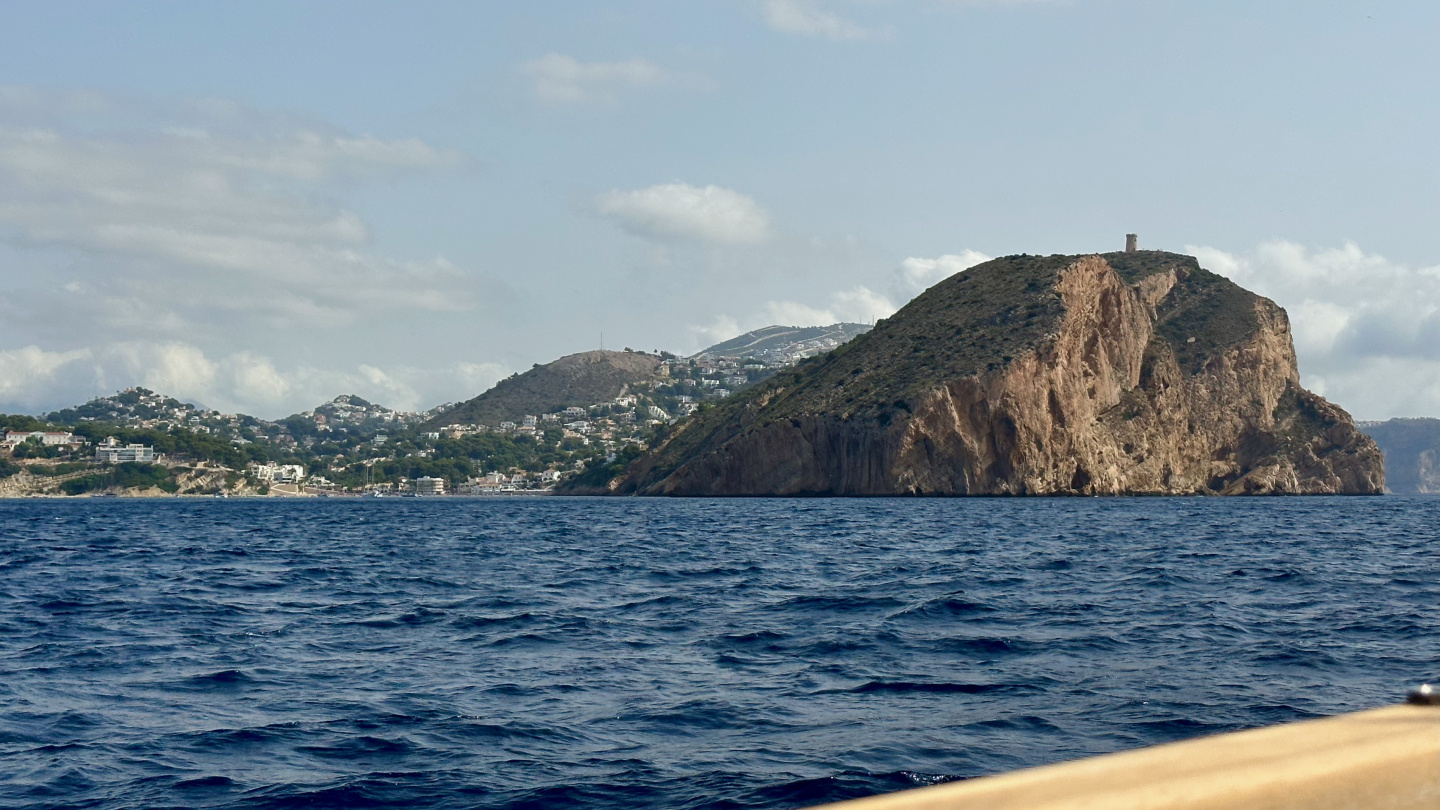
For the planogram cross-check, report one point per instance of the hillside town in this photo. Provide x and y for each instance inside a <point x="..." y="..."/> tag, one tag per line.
<point x="142" y="442"/>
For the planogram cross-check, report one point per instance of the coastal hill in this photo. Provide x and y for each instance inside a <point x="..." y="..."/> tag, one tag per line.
<point x="577" y="380"/>
<point x="1412" y="454"/>
<point x="785" y="342"/>
<point x="1118" y="373"/>
<point x="132" y="404"/>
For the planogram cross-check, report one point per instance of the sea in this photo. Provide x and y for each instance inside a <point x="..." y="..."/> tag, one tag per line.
<point x="639" y="653"/>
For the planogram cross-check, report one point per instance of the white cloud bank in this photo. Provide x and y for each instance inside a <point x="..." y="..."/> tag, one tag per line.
<point x="29" y="371"/>
<point x="563" y="79"/>
<point x="239" y="382"/>
<point x="197" y="214"/>
<point x="808" y="18"/>
<point x="919" y="274"/>
<point x="858" y="304"/>
<point x="680" y="212"/>
<point x="811" y="18"/>
<point x="1367" y="330"/>
<point x="171" y="244"/>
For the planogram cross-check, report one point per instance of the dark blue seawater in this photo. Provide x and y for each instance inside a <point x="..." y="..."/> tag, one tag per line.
<point x="510" y="653"/>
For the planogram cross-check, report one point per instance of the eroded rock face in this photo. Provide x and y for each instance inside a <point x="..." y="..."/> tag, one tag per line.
<point x="1130" y="375"/>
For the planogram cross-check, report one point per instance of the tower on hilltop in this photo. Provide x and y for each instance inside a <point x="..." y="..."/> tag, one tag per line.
<point x="1132" y="243"/>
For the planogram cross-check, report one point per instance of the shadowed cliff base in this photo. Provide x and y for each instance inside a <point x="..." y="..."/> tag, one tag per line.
<point x="1112" y="374"/>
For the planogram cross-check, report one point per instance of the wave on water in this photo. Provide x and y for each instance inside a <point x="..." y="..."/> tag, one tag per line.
<point x="536" y="653"/>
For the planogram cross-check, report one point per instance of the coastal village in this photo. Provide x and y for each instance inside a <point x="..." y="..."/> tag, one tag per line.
<point x="143" y="443"/>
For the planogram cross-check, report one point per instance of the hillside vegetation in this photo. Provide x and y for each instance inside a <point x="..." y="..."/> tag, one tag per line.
<point x="1028" y="374"/>
<point x="967" y="324"/>
<point x="577" y="380"/>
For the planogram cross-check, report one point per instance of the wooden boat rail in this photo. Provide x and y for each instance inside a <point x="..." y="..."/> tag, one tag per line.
<point x="1381" y="759"/>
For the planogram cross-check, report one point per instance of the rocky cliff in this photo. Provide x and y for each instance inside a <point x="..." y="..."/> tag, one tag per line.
<point x="1122" y="373"/>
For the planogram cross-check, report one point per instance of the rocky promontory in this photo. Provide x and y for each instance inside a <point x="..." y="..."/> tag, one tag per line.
<point x="1111" y="374"/>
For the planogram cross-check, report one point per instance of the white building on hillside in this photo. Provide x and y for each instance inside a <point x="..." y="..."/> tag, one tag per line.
<point x="111" y="451"/>
<point x="47" y="438"/>
<point x="279" y="473"/>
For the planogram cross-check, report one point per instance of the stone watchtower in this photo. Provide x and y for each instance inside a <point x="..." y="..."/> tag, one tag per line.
<point x="1132" y="243"/>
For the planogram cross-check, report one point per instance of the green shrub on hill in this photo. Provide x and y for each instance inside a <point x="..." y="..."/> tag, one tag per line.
<point x="22" y="423"/>
<point x="33" y="448"/>
<point x="127" y="474"/>
<point x="599" y="472"/>
<point x="181" y="442"/>
<point x="51" y="470"/>
<point x="579" y="379"/>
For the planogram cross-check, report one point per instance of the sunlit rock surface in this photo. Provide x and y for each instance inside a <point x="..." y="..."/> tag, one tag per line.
<point x="1122" y="373"/>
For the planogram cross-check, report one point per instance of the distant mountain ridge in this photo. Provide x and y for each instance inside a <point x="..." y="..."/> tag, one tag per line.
<point x="1412" y="453"/>
<point x="785" y="342"/>
<point x="577" y="380"/>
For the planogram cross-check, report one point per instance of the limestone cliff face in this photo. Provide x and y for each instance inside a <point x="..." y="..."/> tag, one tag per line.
<point x="1115" y="374"/>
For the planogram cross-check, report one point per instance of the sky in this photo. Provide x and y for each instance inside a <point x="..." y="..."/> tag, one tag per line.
<point x="259" y="206"/>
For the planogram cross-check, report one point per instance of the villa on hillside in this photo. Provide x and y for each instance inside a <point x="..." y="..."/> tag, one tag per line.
<point x="110" y="451"/>
<point x="46" y="438"/>
<point x="279" y="473"/>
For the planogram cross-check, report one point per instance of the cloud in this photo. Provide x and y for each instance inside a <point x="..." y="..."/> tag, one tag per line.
<point x="680" y="212"/>
<point x="1366" y="329"/>
<point x="257" y="377"/>
<point x="719" y="330"/>
<point x="859" y="304"/>
<point x="23" y="372"/>
<point x="227" y="209"/>
<point x="177" y="369"/>
<point x="810" y="17"/>
<point x="564" y="79"/>
<point x="306" y="155"/>
<point x="918" y="274"/>
<point x="856" y="305"/>
<point x="807" y="18"/>
<point x="180" y="241"/>
<point x="239" y="382"/>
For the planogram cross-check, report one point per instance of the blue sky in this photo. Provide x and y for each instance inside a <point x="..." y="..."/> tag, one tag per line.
<point x="261" y="205"/>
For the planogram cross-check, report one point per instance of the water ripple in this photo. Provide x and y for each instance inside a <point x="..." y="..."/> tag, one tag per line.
<point x="528" y="653"/>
